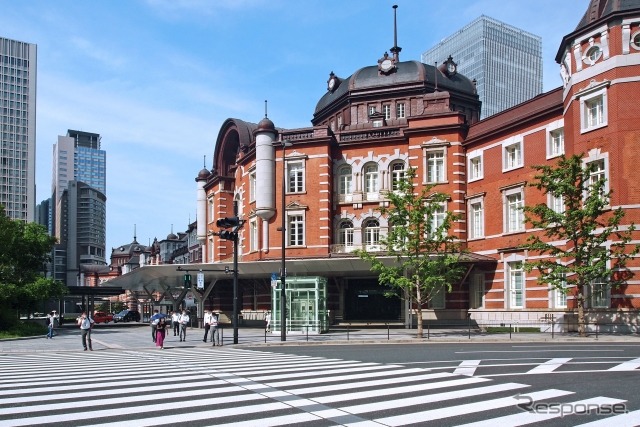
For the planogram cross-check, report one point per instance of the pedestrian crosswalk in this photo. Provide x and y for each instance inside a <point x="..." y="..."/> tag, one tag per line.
<point x="241" y="387"/>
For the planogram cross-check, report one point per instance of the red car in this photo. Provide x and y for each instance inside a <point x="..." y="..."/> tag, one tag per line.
<point x="102" y="317"/>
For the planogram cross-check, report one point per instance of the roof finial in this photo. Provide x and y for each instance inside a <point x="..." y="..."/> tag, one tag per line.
<point x="265" y="108"/>
<point x="134" y="234"/>
<point x="395" y="49"/>
<point x="204" y="161"/>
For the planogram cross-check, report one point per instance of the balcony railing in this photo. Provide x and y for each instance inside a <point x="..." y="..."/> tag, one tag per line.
<point x="345" y="249"/>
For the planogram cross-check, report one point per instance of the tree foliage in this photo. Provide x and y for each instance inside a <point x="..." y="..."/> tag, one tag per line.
<point x="584" y="243"/>
<point x="25" y="248"/>
<point x="426" y="256"/>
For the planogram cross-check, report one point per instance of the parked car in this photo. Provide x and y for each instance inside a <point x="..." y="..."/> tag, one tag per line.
<point x="127" y="316"/>
<point x="102" y="317"/>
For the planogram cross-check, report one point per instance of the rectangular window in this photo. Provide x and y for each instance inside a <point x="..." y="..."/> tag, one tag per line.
<point x="475" y="168"/>
<point x="600" y="293"/>
<point x="296" y="230"/>
<point x="516" y="284"/>
<point x="560" y="300"/>
<point x="435" y="166"/>
<point x="253" y="235"/>
<point x="372" y="110"/>
<point x="513" y="210"/>
<point x="386" y="110"/>
<point x="556" y="203"/>
<point x="437" y="300"/>
<point x="400" y="111"/>
<point x="593" y="108"/>
<point x="476" y="216"/>
<point x="296" y="177"/>
<point x="556" y="143"/>
<point x="512" y="156"/>
<point x="252" y="187"/>
<point x="477" y="291"/>
<point x="437" y="219"/>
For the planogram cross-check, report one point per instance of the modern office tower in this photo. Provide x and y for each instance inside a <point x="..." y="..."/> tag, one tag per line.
<point x="79" y="204"/>
<point x="505" y="61"/>
<point x="18" y="128"/>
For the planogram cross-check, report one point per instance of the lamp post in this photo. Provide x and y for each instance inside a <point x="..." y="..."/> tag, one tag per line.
<point x="283" y="271"/>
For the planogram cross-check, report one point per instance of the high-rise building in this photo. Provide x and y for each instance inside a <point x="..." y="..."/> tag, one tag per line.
<point x="505" y="61"/>
<point x="18" y="128"/>
<point x="78" y="204"/>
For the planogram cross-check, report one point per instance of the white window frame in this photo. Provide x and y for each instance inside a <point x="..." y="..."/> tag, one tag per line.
<point x="401" y="112"/>
<point x="436" y="166"/>
<point x="437" y="219"/>
<point x="555" y="142"/>
<point x="253" y="235"/>
<point x="211" y="207"/>
<point x="211" y="245"/>
<point x="477" y="291"/>
<point x="252" y="186"/>
<point x="599" y="294"/>
<point x="516" y="291"/>
<point x="513" y="215"/>
<point x="345" y="182"/>
<point x="386" y="111"/>
<point x="295" y="176"/>
<point x="371" y="234"/>
<point x="345" y="234"/>
<point x="596" y="156"/>
<point x="476" y="166"/>
<point x="592" y="53"/>
<point x="512" y="155"/>
<point x="398" y="173"/>
<point x="476" y="217"/>
<point x="296" y="228"/>
<point x="594" y="98"/>
<point x="559" y="297"/>
<point x="371" y="184"/>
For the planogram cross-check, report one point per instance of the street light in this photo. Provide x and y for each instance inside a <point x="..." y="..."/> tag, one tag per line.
<point x="283" y="271"/>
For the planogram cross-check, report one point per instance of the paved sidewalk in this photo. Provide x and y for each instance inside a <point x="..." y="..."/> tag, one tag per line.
<point x="138" y="337"/>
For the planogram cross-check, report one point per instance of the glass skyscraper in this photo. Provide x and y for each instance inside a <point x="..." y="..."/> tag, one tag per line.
<point x="505" y="61"/>
<point x="18" y="128"/>
<point x="79" y="204"/>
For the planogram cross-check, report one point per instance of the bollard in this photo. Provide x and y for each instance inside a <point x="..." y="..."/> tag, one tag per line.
<point x="265" y="335"/>
<point x="307" y="331"/>
<point x="509" y="330"/>
<point x="388" y="332"/>
<point x="597" y="330"/>
<point x="428" y="331"/>
<point x="552" y="327"/>
<point x="221" y="336"/>
<point x="348" y="325"/>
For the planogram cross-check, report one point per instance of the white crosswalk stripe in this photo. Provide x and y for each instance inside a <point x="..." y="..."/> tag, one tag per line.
<point x="245" y="388"/>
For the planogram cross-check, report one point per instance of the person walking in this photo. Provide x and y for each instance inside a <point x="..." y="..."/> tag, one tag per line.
<point x="161" y="329"/>
<point x="207" y="325"/>
<point x="267" y="320"/>
<point x="215" y="332"/>
<point x="175" y="322"/>
<point x="86" y="323"/>
<point x="51" y="324"/>
<point x="184" y="322"/>
<point x="154" y="324"/>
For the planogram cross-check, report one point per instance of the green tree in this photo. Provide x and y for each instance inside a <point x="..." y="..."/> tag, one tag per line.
<point x="25" y="248"/>
<point x="426" y="254"/>
<point x="593" y="249"/>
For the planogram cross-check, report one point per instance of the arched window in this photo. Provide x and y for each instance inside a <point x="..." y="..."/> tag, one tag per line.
<point x="345" y="234"/>
<point x="397" y="175"/>
<point x="371" y="178"/>
<point x="371" y="231"/>
<point x="344" y="182"/>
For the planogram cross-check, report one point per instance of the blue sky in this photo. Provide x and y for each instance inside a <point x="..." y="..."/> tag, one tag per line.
<point x="157" y="78"/>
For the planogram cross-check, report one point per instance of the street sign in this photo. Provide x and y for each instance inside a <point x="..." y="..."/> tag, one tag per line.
<point x="274" y="280"/>
<point x="200" y="281"/>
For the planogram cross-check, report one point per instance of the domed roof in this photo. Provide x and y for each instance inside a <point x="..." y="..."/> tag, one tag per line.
<point x="407" y="73"/>
<point x="203" y="174"/>
<point x="172" y="236"/>
<point x="265" y="125"/>
<point x="129" y="249"/>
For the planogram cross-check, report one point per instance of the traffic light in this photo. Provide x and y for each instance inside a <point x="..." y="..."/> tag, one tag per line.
<point x="187" y="280"/>
<point x="229" y="222"/>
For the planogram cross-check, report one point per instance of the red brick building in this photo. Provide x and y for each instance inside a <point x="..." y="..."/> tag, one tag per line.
<point x="373" y="125"/>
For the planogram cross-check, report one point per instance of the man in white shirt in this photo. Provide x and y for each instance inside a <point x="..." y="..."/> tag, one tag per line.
<point x="207" y="324"/>
<point x="184" y="322"/>
<point x="86" y="323"/>
<point x="175" y="322"/>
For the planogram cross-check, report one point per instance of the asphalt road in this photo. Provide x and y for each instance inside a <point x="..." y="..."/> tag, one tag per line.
<point x="370" y="380"/>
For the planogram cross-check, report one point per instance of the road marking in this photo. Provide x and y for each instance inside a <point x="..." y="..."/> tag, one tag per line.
<point x="467" y="367"/>
<point x="549" y="366"/>
<point x="627" y="366"/>
<point x="469" y="408"/>
<point x="534" y="351"/>
<point x="524" y="418"/>
<point x="630" y="419"/>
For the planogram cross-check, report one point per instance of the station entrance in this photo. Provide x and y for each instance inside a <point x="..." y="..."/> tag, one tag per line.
<point x="306" y="305"/>
<point x="365" y="300"/>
